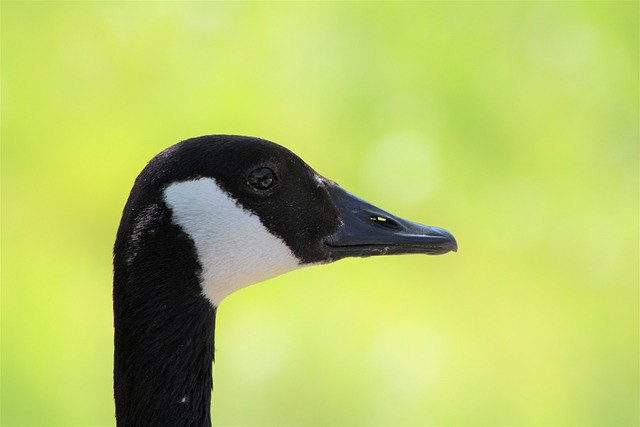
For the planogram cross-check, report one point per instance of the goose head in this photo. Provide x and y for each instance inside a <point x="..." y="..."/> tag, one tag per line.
<point x="209" y="216"/>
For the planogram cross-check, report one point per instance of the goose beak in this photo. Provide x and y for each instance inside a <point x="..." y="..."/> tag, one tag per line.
<point x="367" y="230"/>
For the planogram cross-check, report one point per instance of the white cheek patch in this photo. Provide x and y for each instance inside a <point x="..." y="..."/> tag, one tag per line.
<point x="234" y="248"/>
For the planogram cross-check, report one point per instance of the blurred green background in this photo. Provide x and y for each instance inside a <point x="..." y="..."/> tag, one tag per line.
<point x="515" y="125"/>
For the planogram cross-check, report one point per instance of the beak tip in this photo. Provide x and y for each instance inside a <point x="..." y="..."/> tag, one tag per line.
<point x="451" y="244"/>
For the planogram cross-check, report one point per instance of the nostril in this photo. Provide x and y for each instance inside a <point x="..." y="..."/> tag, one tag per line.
<point x="384" y="221"/>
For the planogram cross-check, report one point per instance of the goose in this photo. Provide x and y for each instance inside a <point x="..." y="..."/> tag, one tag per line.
<point x="206" y="217"/>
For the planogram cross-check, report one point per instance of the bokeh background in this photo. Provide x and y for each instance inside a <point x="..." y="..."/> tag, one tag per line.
<point x="515" y="125"/>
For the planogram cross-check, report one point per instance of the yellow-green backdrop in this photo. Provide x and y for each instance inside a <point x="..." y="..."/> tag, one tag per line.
<point x="512" y="124"/>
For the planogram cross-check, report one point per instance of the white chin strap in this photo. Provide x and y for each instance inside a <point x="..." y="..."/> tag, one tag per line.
<point x="234" y="248"/>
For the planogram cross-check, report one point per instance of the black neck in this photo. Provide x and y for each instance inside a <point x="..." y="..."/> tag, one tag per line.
<point x="164" y="327"/>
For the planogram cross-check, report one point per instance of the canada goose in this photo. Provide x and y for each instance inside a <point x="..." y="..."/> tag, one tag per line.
<point x="209" y="216"/>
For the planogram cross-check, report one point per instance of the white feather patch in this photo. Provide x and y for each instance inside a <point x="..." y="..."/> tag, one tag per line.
<point x="234" y="248"/>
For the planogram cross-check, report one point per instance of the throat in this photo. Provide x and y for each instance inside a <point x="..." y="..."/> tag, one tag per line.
<point x="163" y="365"/>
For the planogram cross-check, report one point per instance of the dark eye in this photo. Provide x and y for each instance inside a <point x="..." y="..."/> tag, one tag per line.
<point x="261" y="178"/>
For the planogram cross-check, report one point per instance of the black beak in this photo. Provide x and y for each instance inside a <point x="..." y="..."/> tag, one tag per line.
<point x="367" y="230"/>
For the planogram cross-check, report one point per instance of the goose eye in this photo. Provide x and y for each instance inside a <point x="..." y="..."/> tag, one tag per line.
<point x="261" y="178"/>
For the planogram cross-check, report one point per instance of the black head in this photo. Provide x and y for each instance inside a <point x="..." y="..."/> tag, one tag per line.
<point x="316" y="219"/>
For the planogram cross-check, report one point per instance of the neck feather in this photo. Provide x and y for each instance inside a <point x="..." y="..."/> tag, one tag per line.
<point x="164" y="327"/>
